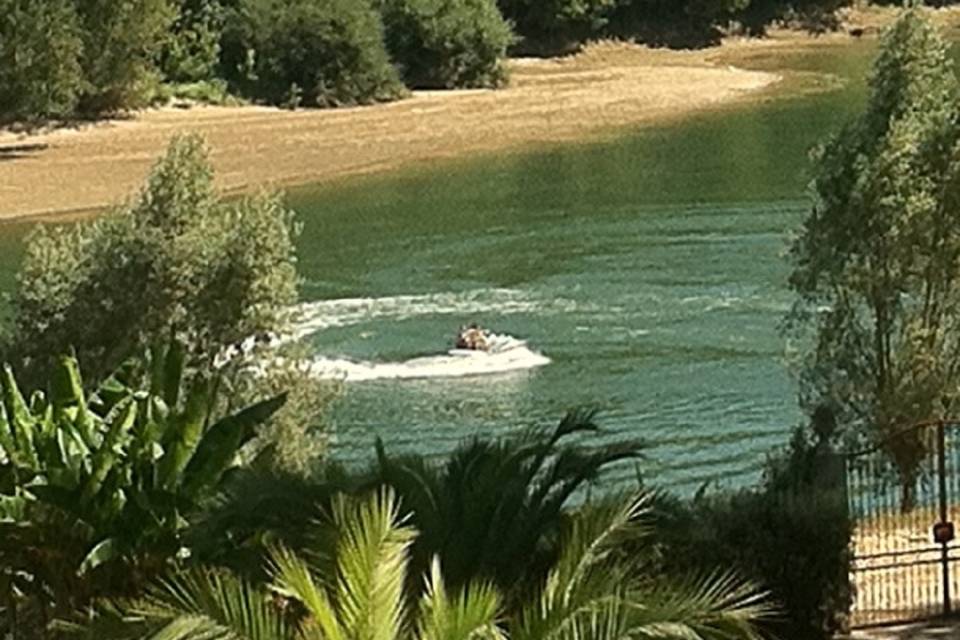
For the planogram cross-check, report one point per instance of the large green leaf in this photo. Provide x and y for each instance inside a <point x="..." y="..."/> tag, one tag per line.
<point x="69" y="402"/>
<point x="183" y="435"/>
<point x="220" y="443"/>
<point x="20" y="421"/>
<point x="104" y="551"/>
<point x="119" y="423"/>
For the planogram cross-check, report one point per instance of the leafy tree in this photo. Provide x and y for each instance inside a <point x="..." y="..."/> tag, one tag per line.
<point x="445" y="44"/>
<point x="178" y="261"/>
<point x="547" y="26"/>
<point x="316" y="52"/>
<point x="121" y="43"/>
<point x="40" y="48"/>
<point x="191" y="52"/>
<point x="357" y="593"/>
<point x="683" y="23"/>
<point x="877" y="261"/>
<point x="94" y="488"/>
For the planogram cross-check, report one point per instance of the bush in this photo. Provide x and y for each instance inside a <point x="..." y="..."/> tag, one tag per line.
<point x="815" y="15"/>
<point x="40" y="47"/>
<point x="673" y="23"/>
<point x="191" y="52"/>
<point x="122" y="41"/>
<point x="443" y="44"/>
<point x="321" y="52"/>
<point x="549" y="26"/>
<point x="792" y="536"/>
<point x="95" y="488"/>
<point x="178" y="261"/>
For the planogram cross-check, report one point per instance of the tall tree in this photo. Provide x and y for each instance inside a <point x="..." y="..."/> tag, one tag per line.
<point x="877" y="261"/>
<point x="180" y="260"/>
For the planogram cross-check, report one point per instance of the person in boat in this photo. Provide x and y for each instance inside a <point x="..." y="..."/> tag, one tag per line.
<point x="473" y="338"/>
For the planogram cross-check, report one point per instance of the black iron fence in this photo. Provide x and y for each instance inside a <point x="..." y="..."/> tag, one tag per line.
<point x="906" y="562"/>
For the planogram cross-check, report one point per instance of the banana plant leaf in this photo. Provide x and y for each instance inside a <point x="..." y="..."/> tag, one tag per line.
<point x="221" y="442"/>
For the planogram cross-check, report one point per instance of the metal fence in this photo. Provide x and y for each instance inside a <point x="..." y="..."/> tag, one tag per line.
<point x="906" y="565"/>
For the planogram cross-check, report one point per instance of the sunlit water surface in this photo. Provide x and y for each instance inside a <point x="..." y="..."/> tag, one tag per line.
<point x="646" y="274"/>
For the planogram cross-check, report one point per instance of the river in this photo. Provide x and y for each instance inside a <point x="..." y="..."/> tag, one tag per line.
<point x="648" y="270"/>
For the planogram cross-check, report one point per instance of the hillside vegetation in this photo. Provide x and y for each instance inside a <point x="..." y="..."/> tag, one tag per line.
<point x="68" y="59"/>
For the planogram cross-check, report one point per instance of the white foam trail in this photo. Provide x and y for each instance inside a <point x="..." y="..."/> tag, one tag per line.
<point x="457" y="363"/>
<point x="328" y="314"/>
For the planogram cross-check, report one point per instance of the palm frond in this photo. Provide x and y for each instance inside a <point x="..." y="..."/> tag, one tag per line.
<point x="720" y="606"/>
<point x="372" y="559"/>
<point x="471" y="614"/>
<point x="200" y="605"/>
<point x="293" y="578"/>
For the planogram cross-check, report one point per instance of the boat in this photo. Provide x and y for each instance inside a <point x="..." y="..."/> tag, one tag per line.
<point x="473" y="340"/>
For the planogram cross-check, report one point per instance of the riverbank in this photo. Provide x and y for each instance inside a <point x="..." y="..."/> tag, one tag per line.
<point x="605" y="88"/>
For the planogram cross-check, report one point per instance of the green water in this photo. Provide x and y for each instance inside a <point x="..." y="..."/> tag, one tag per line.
<point x="648" y="270"/>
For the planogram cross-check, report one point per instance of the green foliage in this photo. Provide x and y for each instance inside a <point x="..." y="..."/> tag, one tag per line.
<point x="356" y="593"/>
<point x="445" y="44"/>
<point x="40" y="47"/>
<point x="122" y="41"/>
<point x="686" y="23"/>
<point x="493" y="511"/>
<point x="815" y="15"/>
<point x="875" y="264"/>
<point x="191" y="53"/>
<point x="296" y="438"/>
<point x="547" y="26"/>
<point x="792" y="536"/>
<point x="94" y="488"/>
<point x="178" y="261"/>
<point x="325" y="52"/>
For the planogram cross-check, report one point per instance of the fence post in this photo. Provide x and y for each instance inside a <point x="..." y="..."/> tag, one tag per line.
<point x="945" y="545"/>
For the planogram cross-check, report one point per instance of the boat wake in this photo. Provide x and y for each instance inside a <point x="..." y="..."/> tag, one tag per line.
<point x="506" y="354"/>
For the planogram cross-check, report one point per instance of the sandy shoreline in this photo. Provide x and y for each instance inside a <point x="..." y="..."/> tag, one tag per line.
<point x="582" y="97"/>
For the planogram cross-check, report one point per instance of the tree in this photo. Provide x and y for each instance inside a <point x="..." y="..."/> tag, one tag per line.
<point x="179" y="261"/>
<point x="555" y="25"/>
<point x="322" y="53"/>
<point x="40" y="48"/>
<point x="191" y="51"/>
<point x="357" y="594"/>
<point x="95" y="488"/>
<point x="877" y="261"/>
<point x="122" y="41"/>
<point x="446" y="44"/>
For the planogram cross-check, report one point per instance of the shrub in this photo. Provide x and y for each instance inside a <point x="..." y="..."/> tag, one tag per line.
<point x="191" y="52"/>
<point x="444" y="44"/>
<point x="178" y="261"/>
<point x="548" y="26"/>
<point x="95" y="487"/>
<point x="686" y="23"/>
<point x="121" y="43"/>
<point x="792" y="536"/>
<point x="40" y="47"/>
<point x="323" y="52"/>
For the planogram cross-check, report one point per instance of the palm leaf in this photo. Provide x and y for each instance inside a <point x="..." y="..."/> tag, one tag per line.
<point x="468" y="615"/>
<point x="371" y="566"/>
<point x="201" y="605"/>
